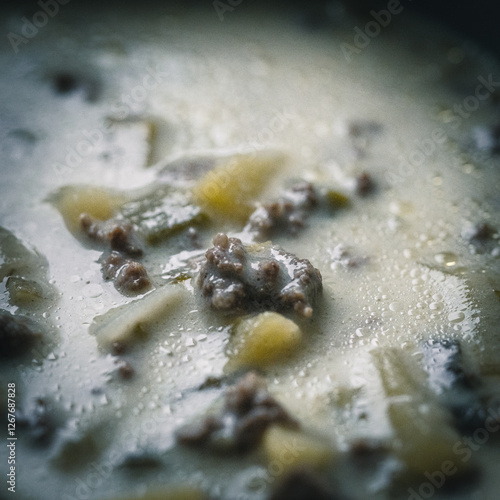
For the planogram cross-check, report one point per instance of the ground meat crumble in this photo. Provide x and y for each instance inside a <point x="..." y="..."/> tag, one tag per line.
<point x="482" y="238"/>
<point x="248" y="410"/>
<point x="129" y="276"/>
<point x="122" y="247"/>
<point x="117" y="235"/>
<point x="237" y="278"/>
<point x="287" y="214"/>
<point x="40" y="420"/>
<point x="364" y="184"/>
<point x="302" y="484"/>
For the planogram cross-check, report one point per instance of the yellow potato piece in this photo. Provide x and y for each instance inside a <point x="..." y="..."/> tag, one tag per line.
<point x="287" y="449"/>
<point x="262" y="340"/>
<point x="130" y="324"/>
<point x="72" y="201"/>
<point x="229" y="189"/>
<point x="182" y="493"/>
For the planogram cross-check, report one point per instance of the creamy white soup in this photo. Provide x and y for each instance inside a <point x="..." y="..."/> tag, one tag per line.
<point x="247" y="253"/>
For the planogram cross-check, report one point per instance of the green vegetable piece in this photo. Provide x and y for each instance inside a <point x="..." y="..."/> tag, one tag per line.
<point x="163" y="214"/>
<point x="23" y="291"/>
<point x="25" y="272"/>
<point x="129" y="324"/>
<point x="337" y="200"/>
<point x="425" y="438"/>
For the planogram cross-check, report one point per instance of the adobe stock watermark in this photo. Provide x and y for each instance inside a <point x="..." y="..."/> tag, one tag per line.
<point x="121" y="109"/>
<point x="363" y="37"/>
<point x="263" y="138"/>
<point x="463" y="450"/>
<point x="30" y="28"/>
<point x="227" y="6"/>
<point x="461" y="111"/>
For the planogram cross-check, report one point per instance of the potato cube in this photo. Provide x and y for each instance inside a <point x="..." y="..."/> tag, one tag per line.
<point x="291" y="449"/>
<point x="262" y="340"/>
<point x="129" y="324"/>
<point x="72" y="201"/>
<point x="229" y="189"/>
<point x="181" y="493"/>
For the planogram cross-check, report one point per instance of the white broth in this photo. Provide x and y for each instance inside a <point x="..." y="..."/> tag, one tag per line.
<point x="393" y="378"/>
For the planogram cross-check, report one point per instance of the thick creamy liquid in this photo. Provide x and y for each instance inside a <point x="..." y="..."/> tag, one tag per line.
<point x="252" y="82"/>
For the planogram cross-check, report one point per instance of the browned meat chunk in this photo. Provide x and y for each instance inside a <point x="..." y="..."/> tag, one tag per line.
<point x="66" y="82"/>
<point x="18" y="334"/>
<point x="482" y="237"/>
<point x="40" y="421"/>
<point x="364" y="128"/>
<point x="288" y="214"/>
<point x="237" y="279"/>
<point x="368" y="453"/>
<point x="124" y="369"/>
<point x="364" y="184"/>
<point x="302" y="485"/>
<point x="129" y="276"/>
<point x="118" y="235"/>
<point x="141" y="460"/>
<point x="199" y="432"/>
<point x="479" y="232"/>
<point x="248" y="410"/>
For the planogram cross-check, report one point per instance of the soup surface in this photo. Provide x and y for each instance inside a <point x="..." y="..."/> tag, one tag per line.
<point x="246" y="253"/>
